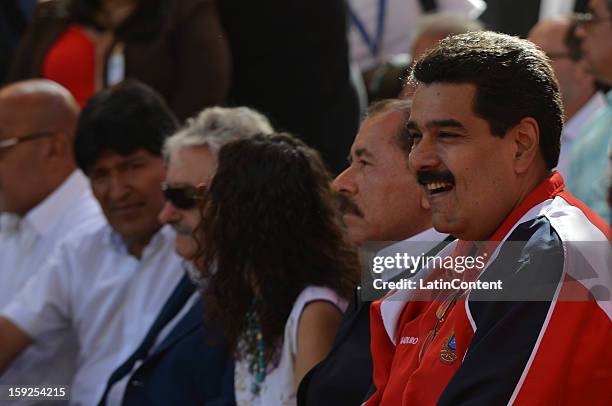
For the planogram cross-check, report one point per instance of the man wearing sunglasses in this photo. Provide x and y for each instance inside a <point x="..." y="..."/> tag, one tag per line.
<point x="188" y="365"/>
<point x="191" y="158"/>
<point x="43" y="198"/>
<point x="589" y="164"/>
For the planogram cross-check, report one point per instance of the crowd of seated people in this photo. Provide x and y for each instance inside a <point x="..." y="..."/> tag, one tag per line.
<point x="165" y="240"/>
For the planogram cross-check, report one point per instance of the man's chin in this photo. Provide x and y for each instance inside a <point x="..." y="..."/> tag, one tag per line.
<point x="186" y="249"/>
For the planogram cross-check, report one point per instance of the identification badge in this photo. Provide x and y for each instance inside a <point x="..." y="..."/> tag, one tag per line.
<point x="115" y="68"/>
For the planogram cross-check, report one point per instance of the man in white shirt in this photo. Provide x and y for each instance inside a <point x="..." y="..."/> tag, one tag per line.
<point x="43" y="198"/>
<point x="106" y="286"/>
<point x="177" y="354"/>
<point x="581" y="99"/>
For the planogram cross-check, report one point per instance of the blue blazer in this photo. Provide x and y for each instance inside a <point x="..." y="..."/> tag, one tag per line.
<point x="190" y="367"/>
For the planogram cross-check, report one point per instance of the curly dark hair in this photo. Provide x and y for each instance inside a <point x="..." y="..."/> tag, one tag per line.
<point x="270" y="227"/>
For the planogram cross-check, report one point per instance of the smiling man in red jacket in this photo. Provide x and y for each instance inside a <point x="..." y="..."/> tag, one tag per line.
<point x="486" y="123"/>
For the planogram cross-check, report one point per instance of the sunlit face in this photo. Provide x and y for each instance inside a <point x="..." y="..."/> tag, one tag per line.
<point x="189" y="166"/>
<point x="382" y="198"/>
<point x="467" y="174"/>
<point x="128" y="190"/>
<point x="596" y="44"/>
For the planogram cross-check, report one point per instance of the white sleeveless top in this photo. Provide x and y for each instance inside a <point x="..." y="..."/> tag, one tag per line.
<point x="279" y="388"/>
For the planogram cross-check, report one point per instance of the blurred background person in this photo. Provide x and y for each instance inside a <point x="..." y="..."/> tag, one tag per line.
<point x="517" y="18"/>
<point x="382" y="29"/>
<point x="108" y="285"/>
<point x="381" y="34"/>
<point x="44" y="197"/>
<point x="14" y="18"/>
<point x="175" y="46"/>
<point x="280" y="269"/>
<point x="290" y="62"/>
<point x="579" y="92"/>
<point x="589" y="157"/>
<point x="430" y="29"/>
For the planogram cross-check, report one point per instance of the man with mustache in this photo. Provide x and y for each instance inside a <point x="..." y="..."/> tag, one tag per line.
<point x="381" y="201"/>
<point x="486" y="122"/>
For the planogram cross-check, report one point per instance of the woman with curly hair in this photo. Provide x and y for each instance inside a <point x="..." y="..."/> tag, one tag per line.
<point x="278" y="266"/>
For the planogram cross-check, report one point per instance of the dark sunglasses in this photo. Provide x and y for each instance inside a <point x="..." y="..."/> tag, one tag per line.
<point x="183" y="195"/>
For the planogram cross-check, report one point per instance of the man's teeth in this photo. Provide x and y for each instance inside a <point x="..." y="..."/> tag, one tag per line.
<point x="437" y="185"/>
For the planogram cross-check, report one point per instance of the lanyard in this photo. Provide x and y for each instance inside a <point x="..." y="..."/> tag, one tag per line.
<point x="375" y="43"/>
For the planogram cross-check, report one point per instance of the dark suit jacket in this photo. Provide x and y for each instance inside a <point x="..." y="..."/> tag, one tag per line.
<point x="345" y="376"/>
<point x="184" y="369"/>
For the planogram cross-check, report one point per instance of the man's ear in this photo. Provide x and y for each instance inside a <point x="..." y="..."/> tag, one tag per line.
<point x="526" y="138"/>
<point x="58" y="146"/>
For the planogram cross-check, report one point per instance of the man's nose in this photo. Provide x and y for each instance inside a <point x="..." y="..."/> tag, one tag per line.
<point x="118" y="188"/>
<point x="424" y="155"/>
<point x="168" y="214"/>
<point x="344" y="183"/>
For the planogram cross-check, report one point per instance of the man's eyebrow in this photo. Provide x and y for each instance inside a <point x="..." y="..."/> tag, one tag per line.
<point x="411" y="125"/>
<point x="449" y="122"/>
<point x="359" y="152"/>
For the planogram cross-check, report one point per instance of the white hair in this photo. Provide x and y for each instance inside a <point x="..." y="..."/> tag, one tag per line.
<point x="216" y="126"/>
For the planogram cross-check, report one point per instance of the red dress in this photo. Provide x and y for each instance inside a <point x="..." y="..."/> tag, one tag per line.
<point x="71" y="62"/>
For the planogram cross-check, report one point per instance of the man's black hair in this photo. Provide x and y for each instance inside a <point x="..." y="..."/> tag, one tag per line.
<point x="513" y="80"/>
<point x="122" y="119"/>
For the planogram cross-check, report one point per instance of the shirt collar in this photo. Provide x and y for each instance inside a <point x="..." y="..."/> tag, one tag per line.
<point x="430" y="236"/>
<point x="162" y="237"/>
<point x="9" y="223"/>
<point x="49" y="212"/>
<point x="547" y="189"/>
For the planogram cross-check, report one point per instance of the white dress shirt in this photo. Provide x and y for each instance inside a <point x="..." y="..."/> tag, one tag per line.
<point x="93" y="287"/>
<point x="572" y="128"/>
<point x="397" y="26"/>
<point x="25" y="243"/>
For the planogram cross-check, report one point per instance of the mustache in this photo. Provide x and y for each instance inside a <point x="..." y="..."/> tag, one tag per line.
<point x="182" y="229"/>
<point x="347" y="205"/>
<point x="425" y="177"/>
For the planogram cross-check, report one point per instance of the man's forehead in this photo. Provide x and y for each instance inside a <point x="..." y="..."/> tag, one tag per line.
<point x="110" y="158"/>
<point x="442" y="104"/>
<point x="191" y="164"/>
<point x="381" y="127"/>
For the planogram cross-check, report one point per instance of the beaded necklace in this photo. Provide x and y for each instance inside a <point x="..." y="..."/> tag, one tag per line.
<point x="253" y="338"/>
